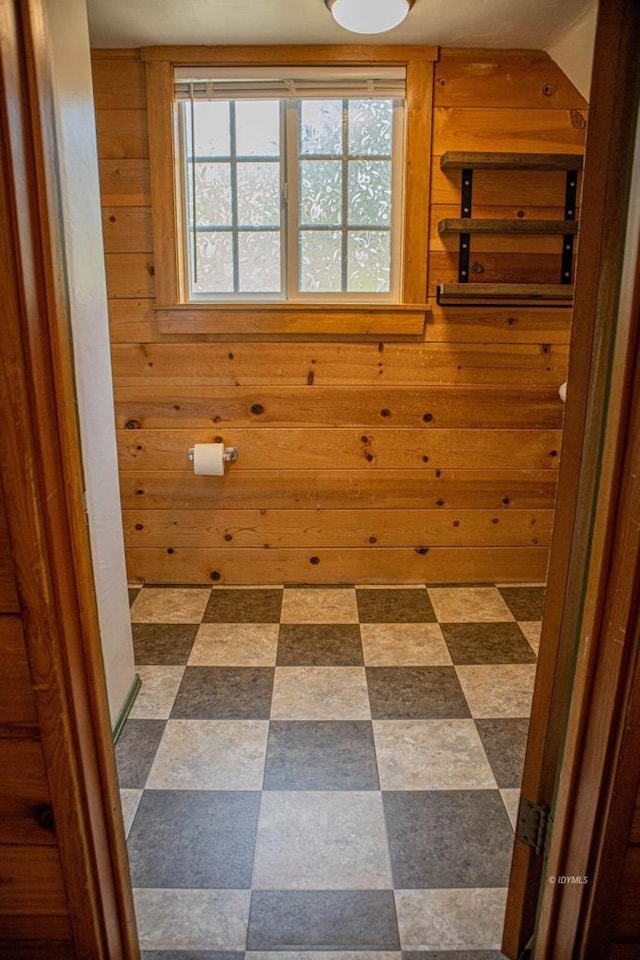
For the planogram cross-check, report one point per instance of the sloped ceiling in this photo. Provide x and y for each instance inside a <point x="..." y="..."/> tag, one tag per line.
<point x="533" y="24"/>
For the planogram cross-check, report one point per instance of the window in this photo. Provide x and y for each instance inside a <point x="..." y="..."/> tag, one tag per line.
<point x="290" y="199"/>
<point x="288" y="190"/>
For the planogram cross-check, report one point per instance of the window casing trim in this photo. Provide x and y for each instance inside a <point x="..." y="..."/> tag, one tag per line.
<point x="169" y="255"/>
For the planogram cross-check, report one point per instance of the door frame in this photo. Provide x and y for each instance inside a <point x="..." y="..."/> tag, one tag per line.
<point x="42" y="480"/>
<point x="567" y="718"/>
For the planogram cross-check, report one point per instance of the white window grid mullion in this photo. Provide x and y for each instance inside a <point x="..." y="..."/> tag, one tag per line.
<point x="291" y="146"/>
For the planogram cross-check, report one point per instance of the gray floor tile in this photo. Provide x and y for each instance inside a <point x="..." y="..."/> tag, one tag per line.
<point x="136" y="750"/>
<point x="487" y="643"/>
<point x="194" y="839"/>
<point x="525" y="603"/>
<point x="163" y="643"/>
<point x="224" y="693"/>
<point x="320" y="755"/>
<point x="243" y="606"/>
<point x="322" y="920"/>
<point x="505" y="741"/>
<point x="415" y="693"/>
<point x="448" y="838"/>
<point x="452" y="955"/>
<point x="395" y="606"/>
<point x="320" y="645"/>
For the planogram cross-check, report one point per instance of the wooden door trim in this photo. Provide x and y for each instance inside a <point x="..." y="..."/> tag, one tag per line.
<point x="596" y="789"/>
<point x="43" y="486"/>
<point x="602" y="240"/>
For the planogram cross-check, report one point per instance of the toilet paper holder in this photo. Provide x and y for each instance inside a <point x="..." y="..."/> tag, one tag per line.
<point x="229" y="454"/>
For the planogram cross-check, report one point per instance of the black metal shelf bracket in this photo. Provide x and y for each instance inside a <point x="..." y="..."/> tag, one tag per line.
<point x="464" y="248"/>
<point x="570" y="199"/>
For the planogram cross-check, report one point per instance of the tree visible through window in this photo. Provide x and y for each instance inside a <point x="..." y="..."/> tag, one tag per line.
<point x="291" y="197"/>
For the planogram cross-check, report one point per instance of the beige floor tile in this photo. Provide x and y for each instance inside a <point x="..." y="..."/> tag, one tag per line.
<point x="323" y="840"/>
<point x="511" y="800"/>
<point x="465" y="919"/>
<point x="192" y="919"/>
<point x="468" y="604"/>
<point x="320" y="693"/>
<point x="319" y="606"/>
<point x="404" y="645"/>
<point x="235" y="645"/>
<point x="169" y="605"/>
<point x="498" y="690"/>
<point x="532" y="630"/>
<point x="431" y="755"/>
<point x="210" y="755"/>
<point x="129" y="799"/>
<point x="157" y="693"/>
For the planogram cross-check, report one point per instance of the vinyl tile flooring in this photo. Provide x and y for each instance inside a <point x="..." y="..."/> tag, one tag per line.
<point x="326" y="770"/>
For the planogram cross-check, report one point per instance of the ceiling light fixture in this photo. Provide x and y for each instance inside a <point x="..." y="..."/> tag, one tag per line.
<point x="369" y="16"/>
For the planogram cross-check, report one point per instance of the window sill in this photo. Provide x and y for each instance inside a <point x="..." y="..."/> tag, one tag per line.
<point x="294" y="319"/>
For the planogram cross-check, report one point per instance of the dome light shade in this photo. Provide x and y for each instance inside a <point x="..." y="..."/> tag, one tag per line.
<point x="369" y="16"/>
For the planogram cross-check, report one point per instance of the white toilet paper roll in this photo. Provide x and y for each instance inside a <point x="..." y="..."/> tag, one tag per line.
<point x="208" y="459"/>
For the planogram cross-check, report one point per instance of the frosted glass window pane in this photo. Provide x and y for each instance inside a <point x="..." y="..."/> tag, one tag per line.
<point x="213" y="194"/>
<point x="320" y="186"/>
<point x="369" y="193"/>
<point x="321" y="126"/>
<point x="257" y="128"/>
<point x="370" y="126"/>
<point x="215" y="263"/>
<point x="320" y="261"/>
<point x="259" y="262"/>
<point x="259" y="194"/>
<point x="211" y="122"/>
<point x="369" y="254"/>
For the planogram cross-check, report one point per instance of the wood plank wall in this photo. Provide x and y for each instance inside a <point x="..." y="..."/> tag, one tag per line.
<point x="34" y="915"/>
<point x="358" y="461"/>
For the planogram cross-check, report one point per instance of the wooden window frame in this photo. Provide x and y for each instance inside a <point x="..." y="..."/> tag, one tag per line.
<point x="405" y="318"/>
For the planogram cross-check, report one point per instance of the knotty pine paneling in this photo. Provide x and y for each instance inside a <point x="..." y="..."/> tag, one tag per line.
<point x="332" y="434"/>
<point x="380" y="489"/>
<point x="320" y="565"/>
<point x="338" y="364"/>
<point x="427" y="407"/>
<point x="520" y="79"/>
<point x="345" y="449"/>
<point x="336" y="528"/>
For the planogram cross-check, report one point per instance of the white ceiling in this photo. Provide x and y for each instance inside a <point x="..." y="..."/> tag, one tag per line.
<point x="532" y="24"/>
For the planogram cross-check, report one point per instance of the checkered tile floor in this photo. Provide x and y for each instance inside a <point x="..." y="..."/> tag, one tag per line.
<point x="326" y="769"/>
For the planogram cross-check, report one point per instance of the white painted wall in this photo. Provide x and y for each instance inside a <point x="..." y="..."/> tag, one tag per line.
<point x="573" y="49"/>
<point x="87" y="294"/>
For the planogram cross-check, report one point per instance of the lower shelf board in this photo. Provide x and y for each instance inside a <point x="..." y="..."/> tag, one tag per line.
<point x="503" y="294"/>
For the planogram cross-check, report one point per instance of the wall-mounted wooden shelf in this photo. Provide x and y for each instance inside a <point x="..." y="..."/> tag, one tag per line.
<point x="501" y="294"/>
<point x="455" y="160"/>
<point x="545" y="295"/>
<point x="524" y="227"/>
